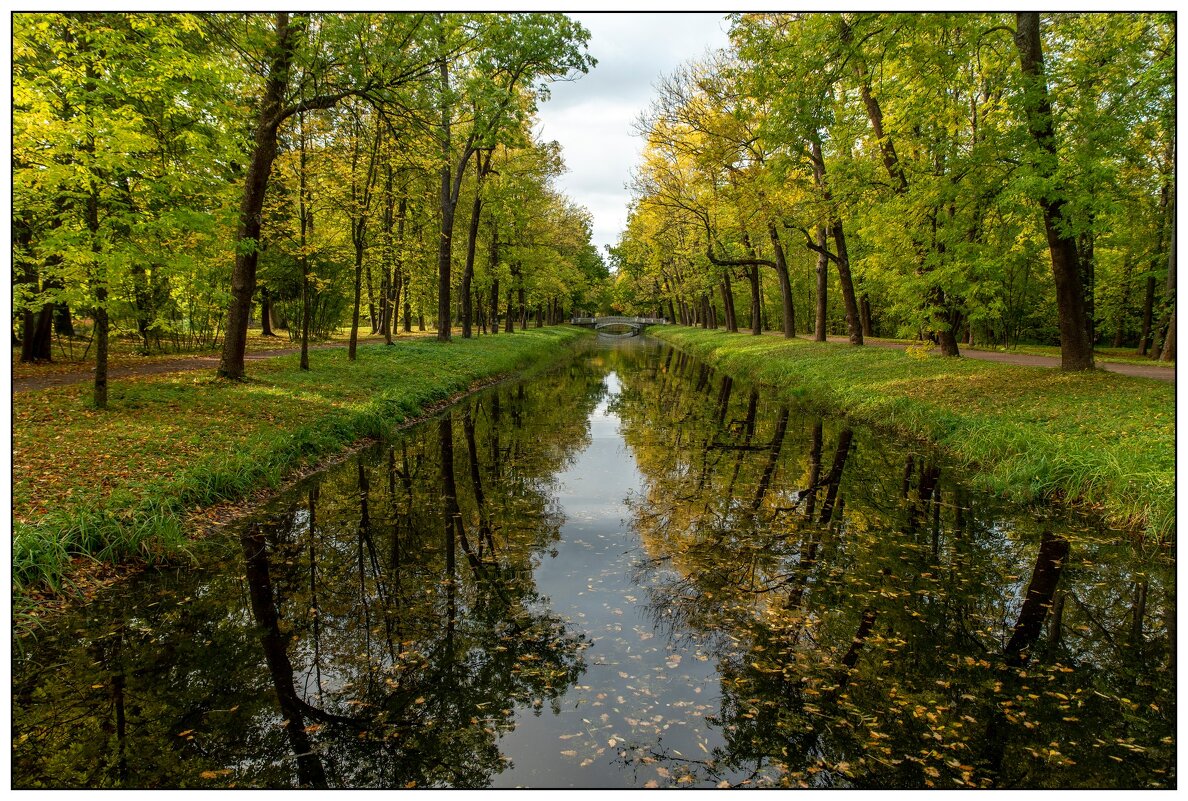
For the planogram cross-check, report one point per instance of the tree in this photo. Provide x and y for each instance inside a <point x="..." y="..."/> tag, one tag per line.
<point x="1076" y="349"/>
<point x="503" y="62"/>
<point x="117" y="181"/>
<point x="309" y="68"/>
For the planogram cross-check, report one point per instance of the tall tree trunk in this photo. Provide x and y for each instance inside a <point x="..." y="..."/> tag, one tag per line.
<point x="1167" y="221"/>
<point x="243" y="275"/>
<point x="265" y="313"/>
<point x="371" y="315"/>
<point x="482" y="166"/>
<point x="101" y="317"/>
<point x="853" y="321"/>
<point x="789" y="320"/>
<point x="357" y="234"/>
<point x="392" y="266"/>
<point x="1088" y="269"/>
<point x="63" y="322"/>
<point x="522" y="300"/>
<point x="361" y="206"/>
<point x="397" y="289"/>
<point x="756" y="309"/>
<point x="1076" y="351"/>
<point x="448" y="204"/>
<point x="22" y="239"/>
<point x="63" y="325"/>
<point x="946" y="332"/>
<point x="142" y="303"/>
<point x="1167" y="306"/>
<point x="842" y="256"/>
<point x="36" y="340"/>
<point x="381" y="321"/>
<point x="494" y="314"/>
<point x="98" y="273"/>
<point x="1148" y="315"/>
<point x="1124" y="303"/>
<point x="305" y="210"/>
<point x="451" y="185"/>
<point x="727" y="302"/>
<point x="822" y="309"/>
<point x="1169" y="343"/>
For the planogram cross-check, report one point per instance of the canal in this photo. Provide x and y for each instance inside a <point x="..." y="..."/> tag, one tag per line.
<point x="626" y="571"/>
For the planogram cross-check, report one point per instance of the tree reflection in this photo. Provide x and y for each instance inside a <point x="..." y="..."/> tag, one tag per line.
<point x="886" y="628"/>
<point x="385" y="663"/>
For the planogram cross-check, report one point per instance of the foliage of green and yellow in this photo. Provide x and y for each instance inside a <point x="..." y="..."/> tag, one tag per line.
<point x="901" y="144"/>
<point x="1099" y="439"/>
<point x="121" y="483"/>
<point x="132" y="134"/>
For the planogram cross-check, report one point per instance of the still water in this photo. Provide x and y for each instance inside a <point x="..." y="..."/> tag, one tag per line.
<point x="629" y="571"/>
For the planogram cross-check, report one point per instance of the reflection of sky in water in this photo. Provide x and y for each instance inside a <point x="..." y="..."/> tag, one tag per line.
<point x="638" y="690"/>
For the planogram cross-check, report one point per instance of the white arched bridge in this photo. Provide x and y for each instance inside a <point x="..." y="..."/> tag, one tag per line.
<point x="634" y="325"/>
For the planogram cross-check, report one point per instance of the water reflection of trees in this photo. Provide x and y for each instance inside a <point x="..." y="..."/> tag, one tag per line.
<point x="881" y="625"/>
<point x="386" y="629"/>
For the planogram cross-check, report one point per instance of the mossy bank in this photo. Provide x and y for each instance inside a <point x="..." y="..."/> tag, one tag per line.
<point x="1098" y="439"/>
<point x="121" y="483"/>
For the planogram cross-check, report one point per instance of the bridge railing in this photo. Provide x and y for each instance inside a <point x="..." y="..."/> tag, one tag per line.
<point x="612" y="320"/>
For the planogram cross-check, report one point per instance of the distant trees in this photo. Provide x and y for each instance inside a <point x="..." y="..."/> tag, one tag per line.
<point x="176" y="175"/>
<point x="921" y="164"/>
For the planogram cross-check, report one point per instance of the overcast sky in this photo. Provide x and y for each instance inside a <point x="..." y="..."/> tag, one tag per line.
<point x="593" y="116"/>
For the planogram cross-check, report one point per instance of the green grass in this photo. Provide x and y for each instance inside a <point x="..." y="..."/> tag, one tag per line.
<point x="1097" y="439"/>
<point x="123" y="482"/>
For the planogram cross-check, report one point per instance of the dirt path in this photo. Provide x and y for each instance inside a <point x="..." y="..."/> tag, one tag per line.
<point x="1026" y="359"/>
<point x="176" y="365"/>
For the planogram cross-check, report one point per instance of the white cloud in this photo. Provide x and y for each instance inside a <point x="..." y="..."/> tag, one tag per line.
<point x="593" y="117"/>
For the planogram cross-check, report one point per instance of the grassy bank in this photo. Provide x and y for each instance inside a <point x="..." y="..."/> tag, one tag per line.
<point x="122" y="482"/>
<point x="1100" y="439"/>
